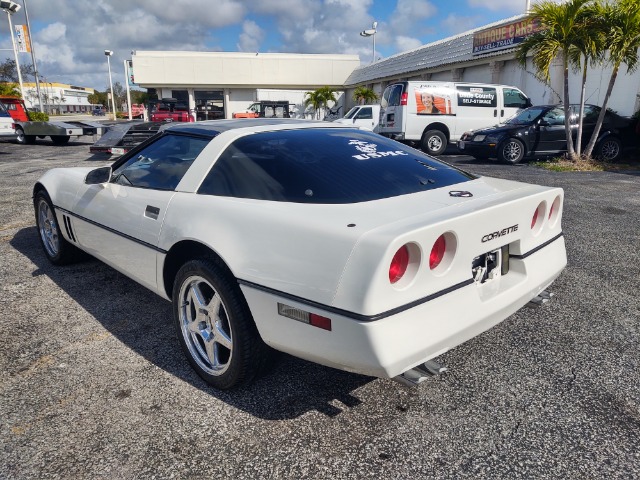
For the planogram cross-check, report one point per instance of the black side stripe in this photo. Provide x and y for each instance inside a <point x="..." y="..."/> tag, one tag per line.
<point x="352" y="315"/>
<point x="115" y="232"/>
<point x="538" y="248"/>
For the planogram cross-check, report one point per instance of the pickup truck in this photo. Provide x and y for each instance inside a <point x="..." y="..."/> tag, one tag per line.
<point x="169" y="110"/>
<point x="60" y="132"/>
<point x="266" y="109"/>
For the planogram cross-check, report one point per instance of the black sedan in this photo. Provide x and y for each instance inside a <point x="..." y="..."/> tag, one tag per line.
<point x="539" y="132"/>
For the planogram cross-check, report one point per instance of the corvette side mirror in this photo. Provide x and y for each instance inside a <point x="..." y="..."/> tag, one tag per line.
<point x="97" y="176"/>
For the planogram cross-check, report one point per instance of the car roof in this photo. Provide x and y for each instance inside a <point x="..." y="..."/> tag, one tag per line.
<point x="212" y="128"/>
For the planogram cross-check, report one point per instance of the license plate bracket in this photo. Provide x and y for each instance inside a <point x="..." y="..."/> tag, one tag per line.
<point x="491" y="265"/>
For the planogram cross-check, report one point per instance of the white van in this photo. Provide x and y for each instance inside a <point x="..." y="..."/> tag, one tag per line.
<point x="365" y="116"/>
<point x="438" y="113"/>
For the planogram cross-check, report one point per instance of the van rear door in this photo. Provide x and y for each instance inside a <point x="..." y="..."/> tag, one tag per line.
<point x="392" y="110"/>
<point x="513" y="100"/>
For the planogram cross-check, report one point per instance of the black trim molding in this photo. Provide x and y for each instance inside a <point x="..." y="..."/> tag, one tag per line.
<point x="352" y="315"/>
<point x="538" y="248"/>
<point x="111" y="230"/>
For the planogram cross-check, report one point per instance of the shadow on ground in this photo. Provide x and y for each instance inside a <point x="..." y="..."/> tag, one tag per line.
<point x="130" y="312"/>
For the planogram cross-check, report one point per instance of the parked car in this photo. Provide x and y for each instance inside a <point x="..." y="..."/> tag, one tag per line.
<point x="330" y="243"/>
<point x="98" y="111"/>
<point x="365" y="116"/>
<point x="539" y="131"/>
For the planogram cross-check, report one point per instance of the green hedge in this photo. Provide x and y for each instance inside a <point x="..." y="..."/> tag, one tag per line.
<point x="38" y="116"/>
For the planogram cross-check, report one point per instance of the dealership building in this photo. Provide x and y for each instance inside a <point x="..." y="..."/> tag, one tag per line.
<point x="231" y="81"/>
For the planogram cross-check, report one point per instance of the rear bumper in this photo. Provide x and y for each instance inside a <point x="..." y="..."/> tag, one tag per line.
<point x="392" y="345"/>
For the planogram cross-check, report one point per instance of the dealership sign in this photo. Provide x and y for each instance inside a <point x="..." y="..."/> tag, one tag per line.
<point x="504" y="36"/>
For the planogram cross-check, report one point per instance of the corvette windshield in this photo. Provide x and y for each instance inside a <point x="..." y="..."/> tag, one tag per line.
<point x="324" y="165"/>
<point x="526" y="116"/>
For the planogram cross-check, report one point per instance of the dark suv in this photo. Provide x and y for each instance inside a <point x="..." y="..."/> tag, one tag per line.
<point x="539" y="132"/>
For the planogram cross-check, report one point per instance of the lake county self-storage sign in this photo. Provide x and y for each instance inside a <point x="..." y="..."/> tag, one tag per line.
<point x="504" y="36"/>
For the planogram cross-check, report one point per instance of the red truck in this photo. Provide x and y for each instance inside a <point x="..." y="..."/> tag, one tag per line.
<point x="169" y="110"/>
<point x="60" y="132"/>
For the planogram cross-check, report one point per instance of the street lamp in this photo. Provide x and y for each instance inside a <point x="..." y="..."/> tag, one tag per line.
<point x="108" y="53"/>
<point x="12" y="7"/>
<point x="371" y="32"/>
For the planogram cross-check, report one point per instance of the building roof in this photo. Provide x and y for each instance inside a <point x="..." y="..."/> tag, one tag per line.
<point x="456" y="49"/>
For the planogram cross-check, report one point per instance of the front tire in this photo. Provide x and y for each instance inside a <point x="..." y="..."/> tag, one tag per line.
<point x="609" y="149"/>
<point x="215" y="327"/>
<point x="57" y="249"/>
<point x="434" y="142"/>
<point x="511" y="151"/>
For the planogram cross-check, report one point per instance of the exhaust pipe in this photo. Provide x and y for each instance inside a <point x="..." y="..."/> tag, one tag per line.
<point x="420" y="373"/>
<point x="540" y="299"/>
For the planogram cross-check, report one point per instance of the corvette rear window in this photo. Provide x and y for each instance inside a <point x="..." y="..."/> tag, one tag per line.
<point x="324" y="165"/>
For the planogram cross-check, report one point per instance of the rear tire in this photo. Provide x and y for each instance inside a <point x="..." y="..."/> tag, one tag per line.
<point x="20" y="140"/>
<point x="609" y="149"/>
<point x="214" y="326"/>
<point x="511" y="151"/>
<point x="57" y="249"/>
<point x="434" y="142"/>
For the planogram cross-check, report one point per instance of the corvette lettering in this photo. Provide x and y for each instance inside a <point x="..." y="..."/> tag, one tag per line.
<point x="500" y="233"/>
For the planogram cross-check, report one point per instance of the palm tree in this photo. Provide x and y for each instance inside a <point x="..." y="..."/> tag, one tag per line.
<point x="315" y="99"/>
<point x="561" y="27"/>
<point x="364" y="95"/>
<point x="320" y="98"/>
<point x="621" y="24"/>
<point x="587" y="49"/>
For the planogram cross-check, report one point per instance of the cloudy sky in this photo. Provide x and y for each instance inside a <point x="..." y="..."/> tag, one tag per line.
<point x="70" y="36"/>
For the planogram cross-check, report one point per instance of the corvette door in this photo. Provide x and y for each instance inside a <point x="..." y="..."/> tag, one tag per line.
<point x="120" y="221"/>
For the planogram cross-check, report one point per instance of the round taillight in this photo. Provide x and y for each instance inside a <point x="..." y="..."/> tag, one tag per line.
<point x="534" y="220"/>
<point x="399" y="264"/>
<point x="437" y="252"/>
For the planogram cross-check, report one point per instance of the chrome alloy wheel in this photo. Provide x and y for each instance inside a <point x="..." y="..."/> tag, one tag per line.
<point x="609" y="150"/>
<point x="512" y="151"/>
<point x="48" y="228"/>
<point x="205" y="325"/>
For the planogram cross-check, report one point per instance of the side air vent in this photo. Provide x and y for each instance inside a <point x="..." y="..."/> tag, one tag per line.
<point x="69" y="228"/>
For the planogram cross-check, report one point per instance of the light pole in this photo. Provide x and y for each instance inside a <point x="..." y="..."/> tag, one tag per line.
<point x="108" y="53"/>
<point x="12" y="7"/>
<point x="33" y="55"/>
<point x="371" y="32"/>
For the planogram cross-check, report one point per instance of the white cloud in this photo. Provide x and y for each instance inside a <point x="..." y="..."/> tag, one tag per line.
<point x="251" y="37"/>
<point x="407" y="43"/>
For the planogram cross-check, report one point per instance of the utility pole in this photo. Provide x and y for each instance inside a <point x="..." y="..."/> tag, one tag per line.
<point x="33" y="55"/>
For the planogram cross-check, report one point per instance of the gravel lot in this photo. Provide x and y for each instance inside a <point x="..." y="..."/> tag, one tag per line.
<point x="94" y="385"/>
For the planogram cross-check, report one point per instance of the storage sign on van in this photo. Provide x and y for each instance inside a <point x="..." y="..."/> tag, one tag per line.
<point x="477" y="96"/>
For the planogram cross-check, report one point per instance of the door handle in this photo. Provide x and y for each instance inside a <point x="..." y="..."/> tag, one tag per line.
<point x="152" y="212"/>
<point x="495" y="113"/>
<point x="502" y="113"/>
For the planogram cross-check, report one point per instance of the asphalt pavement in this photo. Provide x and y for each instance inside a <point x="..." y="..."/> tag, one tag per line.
<point x="94" y="385"/>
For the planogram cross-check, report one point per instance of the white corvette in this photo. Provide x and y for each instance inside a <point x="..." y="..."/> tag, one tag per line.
<point x="327" y="242"/>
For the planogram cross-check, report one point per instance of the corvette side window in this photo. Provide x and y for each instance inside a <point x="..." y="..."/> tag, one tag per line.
<point x="162" y="164"/>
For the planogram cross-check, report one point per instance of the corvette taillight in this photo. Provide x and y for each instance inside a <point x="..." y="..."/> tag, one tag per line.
<point x="437" y="252"/>
<point x="534" y="220"/>
<point x="399" y="264"/>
